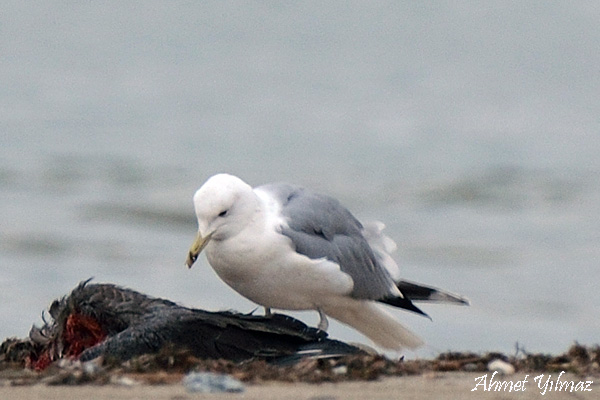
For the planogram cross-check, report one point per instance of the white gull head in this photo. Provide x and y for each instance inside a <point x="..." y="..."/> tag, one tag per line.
<point x="224" y="206"/>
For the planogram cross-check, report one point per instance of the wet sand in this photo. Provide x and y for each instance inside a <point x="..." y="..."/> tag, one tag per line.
<point x="446" y="385"/>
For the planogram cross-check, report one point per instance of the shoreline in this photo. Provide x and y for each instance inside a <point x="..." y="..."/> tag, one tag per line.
<point x="428" y="386"/>
<point x="452" y="375"/>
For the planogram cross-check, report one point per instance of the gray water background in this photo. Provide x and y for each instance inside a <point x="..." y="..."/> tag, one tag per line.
<point x="470" y="129"/>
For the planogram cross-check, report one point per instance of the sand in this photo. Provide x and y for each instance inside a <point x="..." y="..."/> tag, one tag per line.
<point x="447" y="385"/>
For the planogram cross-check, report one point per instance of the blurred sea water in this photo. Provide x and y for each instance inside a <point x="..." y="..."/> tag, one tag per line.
<point x="471" y="131"/>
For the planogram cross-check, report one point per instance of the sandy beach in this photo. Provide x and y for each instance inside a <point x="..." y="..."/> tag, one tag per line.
<point x="447" y="385"/>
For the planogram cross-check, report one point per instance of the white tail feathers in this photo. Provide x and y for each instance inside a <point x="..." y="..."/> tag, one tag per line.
<point x="373" y="321"/>
<point x="383" y="246"/>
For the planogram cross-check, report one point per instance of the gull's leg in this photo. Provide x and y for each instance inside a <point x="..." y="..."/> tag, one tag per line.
<point x="268" y="312"/>
<point x="323" y="323"/>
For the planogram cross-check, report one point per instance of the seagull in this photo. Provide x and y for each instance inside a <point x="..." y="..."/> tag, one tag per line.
<point x="286" y="247"/>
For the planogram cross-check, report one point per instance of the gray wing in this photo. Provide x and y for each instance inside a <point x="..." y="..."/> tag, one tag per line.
<point x="320" y="227"/>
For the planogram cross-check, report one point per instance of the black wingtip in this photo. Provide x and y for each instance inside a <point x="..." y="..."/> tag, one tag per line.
<point x="418" y="292"/>
<point x="404" y="303"/>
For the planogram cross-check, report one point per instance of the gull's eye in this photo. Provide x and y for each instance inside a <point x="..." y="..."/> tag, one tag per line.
<point x="223" y="213"/>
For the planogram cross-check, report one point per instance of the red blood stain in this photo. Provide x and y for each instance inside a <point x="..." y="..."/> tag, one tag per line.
<point x="81" y="332"/>
<point x="42" y="362"/>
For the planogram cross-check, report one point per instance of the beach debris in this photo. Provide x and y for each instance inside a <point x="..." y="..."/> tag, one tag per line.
<point x="123" y="381"/>
<point x="501" y="366"/>
<point x="470" y="367"/>
<point x="74" y="372"/>
<point x="340" y="370"/>
<point x="138" y="339"/>
<point x="169" y="366"/>
<point x="210" y="382"/>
